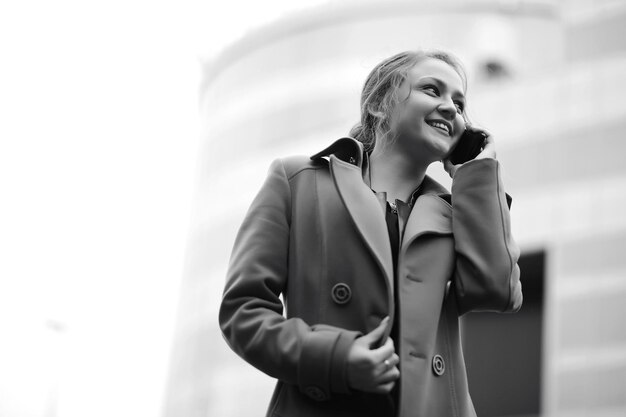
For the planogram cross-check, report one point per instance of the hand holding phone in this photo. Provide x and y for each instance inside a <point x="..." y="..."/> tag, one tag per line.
<point x="469" y="146"/>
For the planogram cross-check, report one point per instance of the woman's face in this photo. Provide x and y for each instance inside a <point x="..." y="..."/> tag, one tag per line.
<point x="430" y="121"/>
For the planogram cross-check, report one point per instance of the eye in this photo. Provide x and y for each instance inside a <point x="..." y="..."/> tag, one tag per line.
<point x="432" y="88"/>
<point x="460" y="106"/>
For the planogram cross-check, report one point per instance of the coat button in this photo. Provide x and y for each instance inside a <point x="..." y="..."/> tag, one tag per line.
<point x="315" y="393"/>
<point x="341" y="293"/>
<point x="439" y="366"/>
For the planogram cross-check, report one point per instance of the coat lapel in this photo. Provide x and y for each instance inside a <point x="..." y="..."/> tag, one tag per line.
<point x="430" y="214"/>
<point x="365" y="212"/>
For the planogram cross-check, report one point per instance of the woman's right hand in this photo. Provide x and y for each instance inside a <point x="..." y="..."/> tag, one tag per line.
<point x="373" y="370"/>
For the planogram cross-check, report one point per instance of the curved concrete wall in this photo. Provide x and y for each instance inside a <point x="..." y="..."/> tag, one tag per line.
<point x="303" y="75"/>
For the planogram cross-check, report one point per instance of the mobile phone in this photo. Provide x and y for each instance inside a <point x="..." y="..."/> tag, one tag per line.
<point x="469" y="146"/>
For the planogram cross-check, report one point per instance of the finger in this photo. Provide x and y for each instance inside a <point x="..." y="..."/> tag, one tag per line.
<point x="378" y="332"/>
<point x="489" y="149"/>
<point x="488" y="140"/>
<point x="449" y="167"/>
<point x="382" y="367"/>
<point x="394" y="360"/>
<point x="391" y="375"/>
<point x="385" y="388"/>
<point x="472" y="128"/>
<point x="388" y="364"/>
<point x="385" y="351"/>
<point x="388" y="361"/>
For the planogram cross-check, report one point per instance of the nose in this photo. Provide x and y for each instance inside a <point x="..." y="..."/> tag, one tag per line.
<point x="447" y="108"/>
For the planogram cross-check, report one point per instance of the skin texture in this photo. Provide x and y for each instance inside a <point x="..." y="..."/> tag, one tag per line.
<point x="434" y="92"/>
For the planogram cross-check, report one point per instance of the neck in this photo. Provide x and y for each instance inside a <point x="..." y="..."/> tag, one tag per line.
<point x="395" y="173"/>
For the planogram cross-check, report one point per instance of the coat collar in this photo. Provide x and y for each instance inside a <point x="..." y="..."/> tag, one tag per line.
<point x="351" y="151"/>
<point x="346" y="148"/>
<point x="432" y="212"/>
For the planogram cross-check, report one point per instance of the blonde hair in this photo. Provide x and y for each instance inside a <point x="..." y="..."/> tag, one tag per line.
<point x="380" y="92"/>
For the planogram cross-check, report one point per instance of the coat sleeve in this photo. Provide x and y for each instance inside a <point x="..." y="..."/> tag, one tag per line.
<point x="487" y="276"/>
<point x="251" y="312"/>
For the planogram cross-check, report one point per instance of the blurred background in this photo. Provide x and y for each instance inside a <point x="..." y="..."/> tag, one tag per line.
<point x="135" y="134"/>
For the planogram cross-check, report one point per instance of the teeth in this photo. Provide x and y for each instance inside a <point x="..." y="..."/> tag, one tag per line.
<point x="440" y="126"/>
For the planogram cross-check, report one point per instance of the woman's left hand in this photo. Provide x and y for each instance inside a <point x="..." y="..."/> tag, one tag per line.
<point x="488" y="151"/>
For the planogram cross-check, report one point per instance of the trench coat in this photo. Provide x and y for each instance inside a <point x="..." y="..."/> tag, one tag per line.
<point x="316" y="234"/>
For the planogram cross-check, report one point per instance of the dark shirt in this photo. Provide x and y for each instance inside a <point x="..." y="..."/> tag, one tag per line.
<point x="396" y="218"/>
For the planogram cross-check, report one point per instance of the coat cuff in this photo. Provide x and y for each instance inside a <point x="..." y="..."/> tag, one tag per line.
<point x="339" y="365"/>
<point x="322" y="369"/>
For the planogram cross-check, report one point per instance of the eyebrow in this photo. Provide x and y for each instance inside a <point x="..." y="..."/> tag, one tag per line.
<point x="455" y="93"/>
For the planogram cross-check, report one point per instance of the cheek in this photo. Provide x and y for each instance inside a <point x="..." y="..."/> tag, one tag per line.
<point x="459" y="128"/>
<point x="403" y="118"/>
<point x="413" y="113"/>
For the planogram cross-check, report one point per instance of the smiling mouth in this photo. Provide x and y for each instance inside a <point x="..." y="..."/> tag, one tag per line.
<point x="442" y="127"/>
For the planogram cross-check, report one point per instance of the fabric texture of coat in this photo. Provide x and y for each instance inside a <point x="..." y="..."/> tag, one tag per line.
<point x="316" y="234"/>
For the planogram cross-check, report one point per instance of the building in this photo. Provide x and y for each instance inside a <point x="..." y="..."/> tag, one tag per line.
<point x="548" y="78"/>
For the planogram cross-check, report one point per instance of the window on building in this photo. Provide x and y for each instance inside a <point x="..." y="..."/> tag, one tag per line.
<point x="503" y="351"/>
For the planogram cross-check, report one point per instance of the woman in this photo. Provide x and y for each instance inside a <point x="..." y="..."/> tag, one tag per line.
<point x="375" y="260"/>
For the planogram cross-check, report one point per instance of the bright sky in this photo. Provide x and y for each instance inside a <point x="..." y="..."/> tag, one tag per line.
<point x="98" y="140"/>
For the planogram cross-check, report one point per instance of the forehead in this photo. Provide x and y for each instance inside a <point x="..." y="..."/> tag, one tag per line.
<point x="432" y="67"/>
